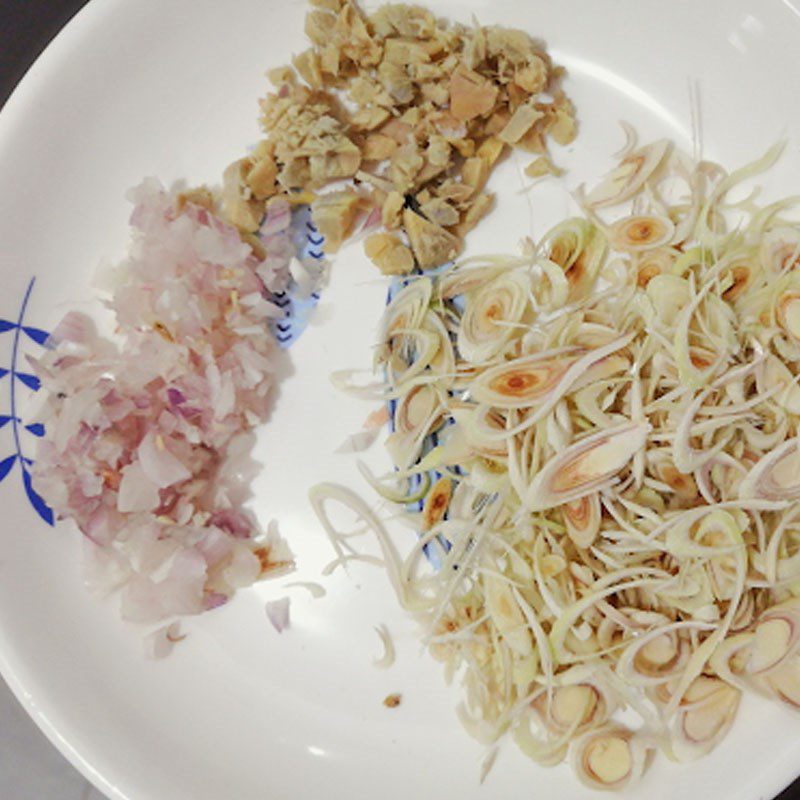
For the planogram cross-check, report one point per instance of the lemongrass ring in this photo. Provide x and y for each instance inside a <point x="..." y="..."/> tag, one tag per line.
<point x="643" y="232"/>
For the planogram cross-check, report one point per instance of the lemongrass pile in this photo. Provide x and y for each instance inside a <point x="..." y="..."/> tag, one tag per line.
<point x="603" y="435"/>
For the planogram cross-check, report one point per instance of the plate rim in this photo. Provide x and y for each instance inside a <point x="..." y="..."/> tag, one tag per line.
<point x="11" y="112"/>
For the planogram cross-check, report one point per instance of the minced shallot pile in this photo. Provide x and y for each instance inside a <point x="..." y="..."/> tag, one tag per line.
<point x="147" y="446"/>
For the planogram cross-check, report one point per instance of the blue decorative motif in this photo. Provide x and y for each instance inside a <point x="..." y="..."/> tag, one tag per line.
<point x="12" y="420"/>
<point x="432" y="553"/>
<point x="309" y="243"/>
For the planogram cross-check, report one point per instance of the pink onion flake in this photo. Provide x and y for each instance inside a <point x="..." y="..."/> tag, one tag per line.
<point x="144" y="447"/>
<point x="278" y="613"/>
<point x="159" y="643"/>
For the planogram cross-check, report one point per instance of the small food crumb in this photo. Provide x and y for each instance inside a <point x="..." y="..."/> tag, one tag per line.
<point x="278" y="613"/>
<point x="393" y="700"/>
<point x="542" y="166"/>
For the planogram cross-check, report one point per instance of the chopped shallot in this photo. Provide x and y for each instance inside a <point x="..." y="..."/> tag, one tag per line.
<point x="159" y="643"/>
<point x="278" y="613"/>
<point x="146" y="448"/>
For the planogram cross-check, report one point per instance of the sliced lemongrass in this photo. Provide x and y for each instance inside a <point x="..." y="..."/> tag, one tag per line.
<point x="641" y="232"/>
<point x="776" y="476"/>
<point x="388" y="656"/>
<point x="585" y="466"/>
<point x="582" y="518"/>
<point x="629" y="177"/>
<point x="609" y="758"/>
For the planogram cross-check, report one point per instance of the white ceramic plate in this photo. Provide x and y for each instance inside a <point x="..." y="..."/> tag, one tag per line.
<point x="138" y="87"/>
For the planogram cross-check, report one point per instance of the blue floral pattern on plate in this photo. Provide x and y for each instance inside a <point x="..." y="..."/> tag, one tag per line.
<point x="298" y="308"/>
<point x="16" y="377"/>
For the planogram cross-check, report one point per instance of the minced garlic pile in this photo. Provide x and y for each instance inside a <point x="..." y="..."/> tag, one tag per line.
<point x="413" y="112"/>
